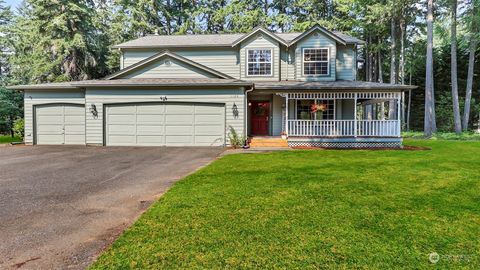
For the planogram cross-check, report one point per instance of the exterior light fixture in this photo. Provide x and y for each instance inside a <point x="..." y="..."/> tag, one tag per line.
<point x="93" y="110"/>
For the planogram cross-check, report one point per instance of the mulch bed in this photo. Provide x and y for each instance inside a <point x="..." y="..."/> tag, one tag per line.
<point x="404" y="148"/>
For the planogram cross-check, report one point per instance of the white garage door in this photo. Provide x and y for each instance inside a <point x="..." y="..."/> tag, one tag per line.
<point x="168" y="124"/>
<point x="60" y="124"/>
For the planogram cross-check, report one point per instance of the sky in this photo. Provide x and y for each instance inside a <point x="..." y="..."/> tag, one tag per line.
<point x="13" y="3"/>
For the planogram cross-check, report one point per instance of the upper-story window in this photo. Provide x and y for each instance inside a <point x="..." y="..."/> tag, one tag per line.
<point x="259" y="62"/>
<point x="316" y="61"/>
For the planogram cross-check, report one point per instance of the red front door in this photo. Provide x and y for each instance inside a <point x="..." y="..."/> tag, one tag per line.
<point x="260" y="112"/>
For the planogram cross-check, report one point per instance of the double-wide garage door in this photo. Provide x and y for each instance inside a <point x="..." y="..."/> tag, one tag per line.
<point x="60" y="124"/>
<point x="170" y="124"/>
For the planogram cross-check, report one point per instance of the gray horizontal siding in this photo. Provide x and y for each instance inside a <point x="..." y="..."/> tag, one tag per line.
<point x="230" y="97"/>
<point x="345" y="63"/>
<point x="260" y="42"/>
<point x="315" y="41"/>
<point x="32" y="98"/>
<point x="168" y="68"/>
<point x="223" y="60"/>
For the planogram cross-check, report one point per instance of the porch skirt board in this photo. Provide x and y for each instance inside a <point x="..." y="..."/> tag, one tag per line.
<point x="346" y="143"/>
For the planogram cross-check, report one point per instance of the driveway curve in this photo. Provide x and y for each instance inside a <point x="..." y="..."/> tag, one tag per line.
<point x="61" y="205"/>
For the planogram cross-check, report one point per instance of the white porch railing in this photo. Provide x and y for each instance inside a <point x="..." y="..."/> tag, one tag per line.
<point x="344" y="128"/>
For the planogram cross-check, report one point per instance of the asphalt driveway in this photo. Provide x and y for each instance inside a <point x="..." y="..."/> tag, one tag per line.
<point x="61" y="205"/>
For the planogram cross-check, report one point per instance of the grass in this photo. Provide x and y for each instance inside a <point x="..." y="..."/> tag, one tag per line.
<point x="315" y="209"/>
<point x="464" y="136"/>
<point x="9" y="139"/>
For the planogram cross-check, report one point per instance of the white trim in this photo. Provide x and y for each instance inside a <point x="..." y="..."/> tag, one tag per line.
<point x="344" y="95"/>
<point x="247" y="62"/>
<point x="303" y="62"/>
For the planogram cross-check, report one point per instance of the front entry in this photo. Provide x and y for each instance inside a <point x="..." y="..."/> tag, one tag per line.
<point x="260" y="116"/>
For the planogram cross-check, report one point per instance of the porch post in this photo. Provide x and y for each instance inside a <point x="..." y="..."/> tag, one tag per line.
<point x="286" y="114"/>
<point x="355" y="116"/>
<point x="399" y="111"/>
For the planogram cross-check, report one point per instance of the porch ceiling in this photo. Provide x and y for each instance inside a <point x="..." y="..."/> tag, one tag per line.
<point x="333" y="85"/>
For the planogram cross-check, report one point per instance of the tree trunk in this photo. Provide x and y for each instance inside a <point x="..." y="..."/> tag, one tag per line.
<point x="369" y="58"/>
<point x="471" y="67"/>
<point x="456" y="105"/>
<point x="380" y="68"/>
<point x="375" y="67"/>
<point x="402" y="50"/>
<point x="430" y="126"/>
<point x="393" y="49"/>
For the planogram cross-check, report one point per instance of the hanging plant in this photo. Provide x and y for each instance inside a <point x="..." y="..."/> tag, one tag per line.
<point x="318" y="107"/>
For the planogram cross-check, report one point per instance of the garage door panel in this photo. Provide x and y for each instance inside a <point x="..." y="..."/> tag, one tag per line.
<point x="166" y="124"/>
<point x="150" y="140"/>
<point x="75" y="129"/>
<point x="46" y="129"/>
<point x="151" y="109"/>
<point x="60" y="124"/>
<point x="75" y="139"/>
<point x="50" y="139"/>
<point x="178" y="130"/>
<point x="152" y="119"/>
<point x="78" y="119"/>
<point x="50" y="110"/>
<point x="121" y="140"/>
<point x="179" y="109"/>
<point x="50" y="119"/>
<point x="121" y="129"/>
<point x="121" y="119"/>
<point x="179" y="119"/>
<point x="208" y="109"/>
<point x="150" y="130"/>
<point x="74" y="110"/>
<point x="125" y="109"/>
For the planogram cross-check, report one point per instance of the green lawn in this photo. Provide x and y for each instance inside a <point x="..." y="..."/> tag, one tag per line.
<point x="9" y="139"/>
<point x="315" y="209"/>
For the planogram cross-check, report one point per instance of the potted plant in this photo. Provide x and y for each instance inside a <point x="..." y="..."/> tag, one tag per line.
<point x="318" y="107"/>
<point x="284" y="135"/>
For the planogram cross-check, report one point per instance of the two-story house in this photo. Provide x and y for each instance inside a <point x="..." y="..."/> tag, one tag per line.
<point x="190" y="90"/>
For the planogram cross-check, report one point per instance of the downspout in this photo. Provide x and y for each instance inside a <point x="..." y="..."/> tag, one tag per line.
<point x="245" y="116"/>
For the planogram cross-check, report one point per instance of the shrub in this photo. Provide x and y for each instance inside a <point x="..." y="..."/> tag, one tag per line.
<point x="19" y="128"/>
<point x="236" y="141"/>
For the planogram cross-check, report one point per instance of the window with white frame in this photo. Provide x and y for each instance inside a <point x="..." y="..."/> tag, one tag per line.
<point x="259" y="62"/>
<point x="315" y="109"/>
<point x="316" y="61"/>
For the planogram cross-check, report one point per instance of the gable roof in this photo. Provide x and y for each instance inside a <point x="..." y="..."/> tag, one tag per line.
<point x="322" y="30"/>
<point x="257" y="30"/>
<point x="172" y="55"/>
<point x="213" y="40"/>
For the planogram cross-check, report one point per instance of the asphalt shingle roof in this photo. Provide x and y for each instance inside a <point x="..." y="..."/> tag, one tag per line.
<point x="207" y="40"/>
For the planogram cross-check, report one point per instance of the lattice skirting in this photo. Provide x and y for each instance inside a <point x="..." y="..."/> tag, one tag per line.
<point x="345" y="144"/>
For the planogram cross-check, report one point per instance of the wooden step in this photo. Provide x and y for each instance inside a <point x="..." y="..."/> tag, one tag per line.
<point x="268" y="142"/>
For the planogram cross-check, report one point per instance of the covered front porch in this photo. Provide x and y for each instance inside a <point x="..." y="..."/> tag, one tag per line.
<point x="336" y="118"/>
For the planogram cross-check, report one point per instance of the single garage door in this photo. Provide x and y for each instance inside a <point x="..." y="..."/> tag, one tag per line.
<point x="166" y="124"/>
<point x="60" y="124"/>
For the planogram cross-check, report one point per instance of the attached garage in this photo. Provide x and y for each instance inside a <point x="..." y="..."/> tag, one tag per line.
<point x="60" y="124"/>
<point x="165" y="124"/>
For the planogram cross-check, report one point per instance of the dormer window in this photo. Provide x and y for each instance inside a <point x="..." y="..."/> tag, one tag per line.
<point x="316" y="61"/>
<point x="259" y="62"/>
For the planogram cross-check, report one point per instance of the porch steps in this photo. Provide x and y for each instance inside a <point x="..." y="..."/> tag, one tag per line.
<point x="261" y="142"/>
